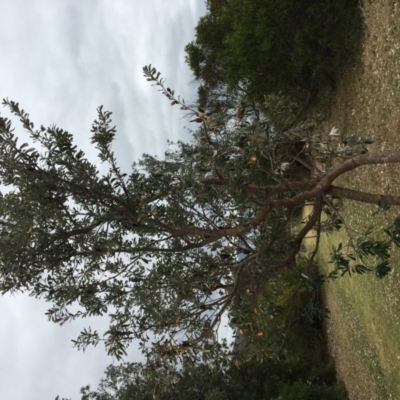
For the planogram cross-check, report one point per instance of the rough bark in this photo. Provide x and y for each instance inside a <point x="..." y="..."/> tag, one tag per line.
<point x="312" y="190"/>
<point x="363" y="197"/>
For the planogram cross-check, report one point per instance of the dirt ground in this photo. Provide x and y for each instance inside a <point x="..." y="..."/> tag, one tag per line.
<point x="365" y="318"/>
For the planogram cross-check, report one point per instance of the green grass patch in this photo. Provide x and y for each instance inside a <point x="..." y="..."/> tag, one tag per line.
<point x="365" y="311"/>
<point x="363" y="325"/>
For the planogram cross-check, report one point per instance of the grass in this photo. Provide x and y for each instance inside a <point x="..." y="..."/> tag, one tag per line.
<point x="363" y="329"/>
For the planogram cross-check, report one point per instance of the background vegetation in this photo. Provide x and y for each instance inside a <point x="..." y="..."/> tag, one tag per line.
<point x="268" y="47"/>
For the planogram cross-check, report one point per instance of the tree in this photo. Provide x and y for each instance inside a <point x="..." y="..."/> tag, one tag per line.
<point x="134" y="380"/>
<point x="251" y="380"/>
<point x="156" y="250"/>
<point x="285" y="47"/>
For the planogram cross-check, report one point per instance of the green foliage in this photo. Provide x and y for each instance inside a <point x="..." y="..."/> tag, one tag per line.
<point x="309" y="391"/>
<point x="283" y="318"/>
<point x="94" y="245"/>
<point x="272" y="379"/>
<point x="274" y="47"/>
<point x="393" y="232"/>
<point x="365" y="254"/>
<point x="156" y="250"/>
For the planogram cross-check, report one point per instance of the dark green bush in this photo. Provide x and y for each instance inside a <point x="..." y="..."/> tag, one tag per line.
<point x="288" y="46"/>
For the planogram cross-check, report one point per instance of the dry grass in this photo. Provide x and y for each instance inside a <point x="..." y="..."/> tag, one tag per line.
<point x="365" y="314"/>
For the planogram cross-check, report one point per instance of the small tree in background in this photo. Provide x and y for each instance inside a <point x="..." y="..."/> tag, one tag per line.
<point x="293" y="48"/>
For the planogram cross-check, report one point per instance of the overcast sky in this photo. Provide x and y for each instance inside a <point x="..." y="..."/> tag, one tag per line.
<point x="60" y="59"/>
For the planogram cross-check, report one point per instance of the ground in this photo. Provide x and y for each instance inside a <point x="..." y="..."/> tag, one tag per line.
<point x="364" y="325"/>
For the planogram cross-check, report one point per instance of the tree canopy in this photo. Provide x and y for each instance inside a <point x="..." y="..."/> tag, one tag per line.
<point x="216" y="227"/>
<point x="288" y="47"/>
<point x="156" y="250"/>
<point x="252" y="381"/>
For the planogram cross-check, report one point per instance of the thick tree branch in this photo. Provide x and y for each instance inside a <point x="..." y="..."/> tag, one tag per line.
<point x="363" y="197"/>
<point x="282" y="187"/>
<point x="231" y="295"/>
<point x="324" y="184"/>
<point x="190" y="246"/>
<point x="298" y="240"/>
<point x="84" y="230"/>
<point x="212" y="181"/>
<point x="219" y="233"/>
